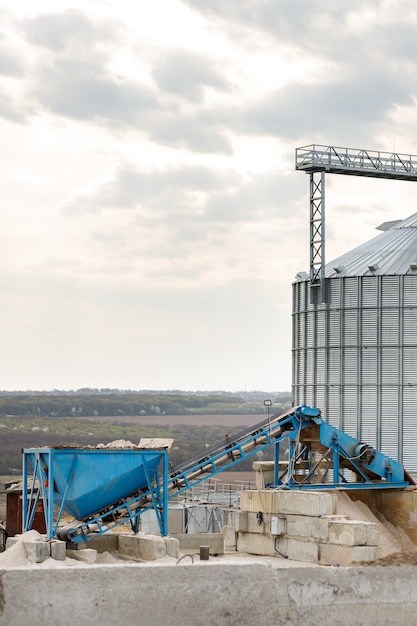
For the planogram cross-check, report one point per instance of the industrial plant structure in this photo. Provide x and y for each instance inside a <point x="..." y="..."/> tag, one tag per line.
<point x="354" y="320"/>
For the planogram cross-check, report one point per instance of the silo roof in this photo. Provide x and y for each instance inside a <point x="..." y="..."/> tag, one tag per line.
<point x="392" y="252"/>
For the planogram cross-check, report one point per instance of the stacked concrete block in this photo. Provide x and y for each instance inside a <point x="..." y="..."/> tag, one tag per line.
<point x="303" y="526"/>
<point x="108" y="542"/>
<point x="353" y="533"/>
<point x="350" y="542"/>
<point x="86" y="555"/>
<point x="330" y="554"/>
<point x="58" y="550"/>
<point x="307" y="527"/>
<point x="297" y="550"/>
<point x="37" y="547"/>
<point x="264" y="473"/>
<point x="256" y="544"/>
<point x="229" y="538"/>
<point x="240" y="521"/>
<point x="37" y="551"/>
<point x="314" y="503"/>
<point x="143" y="547"/>
<point x="172" y="547"/>
<point x="190" y="542"/>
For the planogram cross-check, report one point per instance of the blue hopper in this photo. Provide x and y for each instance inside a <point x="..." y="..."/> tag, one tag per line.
<point x="85" y="482"/>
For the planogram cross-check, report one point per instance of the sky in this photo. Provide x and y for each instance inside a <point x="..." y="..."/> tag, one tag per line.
<point x="152" y="221"/>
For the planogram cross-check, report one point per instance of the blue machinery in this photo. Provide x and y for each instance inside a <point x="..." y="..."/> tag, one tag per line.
<point x="103" y="488"/>
<point x="100" y="488"/>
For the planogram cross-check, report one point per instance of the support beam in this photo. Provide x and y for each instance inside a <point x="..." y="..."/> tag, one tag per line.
<point x="317" y="234"/>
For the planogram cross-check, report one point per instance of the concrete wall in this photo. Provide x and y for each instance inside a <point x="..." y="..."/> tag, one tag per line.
<point x="209" y="593"/>
<point x="303" y="526"/>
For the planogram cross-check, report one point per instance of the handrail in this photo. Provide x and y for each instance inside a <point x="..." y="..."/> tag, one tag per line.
<point x="359" y="162"/>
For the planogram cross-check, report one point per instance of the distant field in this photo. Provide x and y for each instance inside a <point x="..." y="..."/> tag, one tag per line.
<point x="189" y="420"/>
<point x="225" y="421"/>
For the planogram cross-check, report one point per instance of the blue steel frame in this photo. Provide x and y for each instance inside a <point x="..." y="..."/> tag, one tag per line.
<point x="341" y="449"/>
<point x="388" y="473"/>
<point x="217" y="460"/>
<point x="227" y="455"/>
<point x="40" y="464"/>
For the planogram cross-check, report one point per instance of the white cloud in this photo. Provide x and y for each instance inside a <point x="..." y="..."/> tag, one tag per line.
<point x="152" y="218"/>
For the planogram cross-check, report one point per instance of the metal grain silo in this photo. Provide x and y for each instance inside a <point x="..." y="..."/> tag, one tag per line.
<point x="355" y="354"/>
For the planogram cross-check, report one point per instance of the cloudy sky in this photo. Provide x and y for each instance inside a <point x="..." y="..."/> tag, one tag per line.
<point x="152" y="221"/>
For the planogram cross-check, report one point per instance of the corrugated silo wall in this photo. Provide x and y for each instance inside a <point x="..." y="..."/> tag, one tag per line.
<point x="355" y="357"/>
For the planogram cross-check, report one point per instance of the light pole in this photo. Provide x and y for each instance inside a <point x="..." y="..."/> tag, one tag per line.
<point x="268" y="404"/>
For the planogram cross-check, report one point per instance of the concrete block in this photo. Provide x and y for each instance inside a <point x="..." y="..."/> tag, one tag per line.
<point x="129" y="545"/>
<point x="229" y="538"/>
<point x="108" y="542"/>
<point x="264" y="545"/>
<point x="335" y="518"/>
<point x="255" y="523"/>
<point x="331" y="554"/>
<point x="256" y="544"/>
<point x="307" y="527"/>
<point x="87" y="555"/>
<point x="37" y="551"/>
<point x="145" y="547"/>
<point x="259" y="525"/>
<point x="295" y="550"/>
<point x="373" y="534"/>
<point x="313" y="503"/>
<point x="246" y="592"/>
<point x="240" y="521"/>
<point x="172" y="547"/>
<point x="230" y="516"/>
<point x="190" y="542"/>
<point x="350" y="533"/>
<point x="58" y="550"/>
<point x="152" y="547"/>
<point x="264" y="473"/>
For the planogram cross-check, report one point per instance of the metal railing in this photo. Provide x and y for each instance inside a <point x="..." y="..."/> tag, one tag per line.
<point x="214" y="491"/>
<point x="356" y="161"/>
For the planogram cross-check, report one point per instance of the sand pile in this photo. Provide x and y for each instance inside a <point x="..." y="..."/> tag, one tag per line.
<point x="144" y="443"/>
<point x="16" y="556"/>
<point x="117" y="444"/>
<point x="395" y="546"/>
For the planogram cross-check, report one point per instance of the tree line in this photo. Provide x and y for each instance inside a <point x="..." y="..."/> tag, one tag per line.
<point x="30" y="420"/>
<point x="17" y="434"/>
<point x="129" y="403"/>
